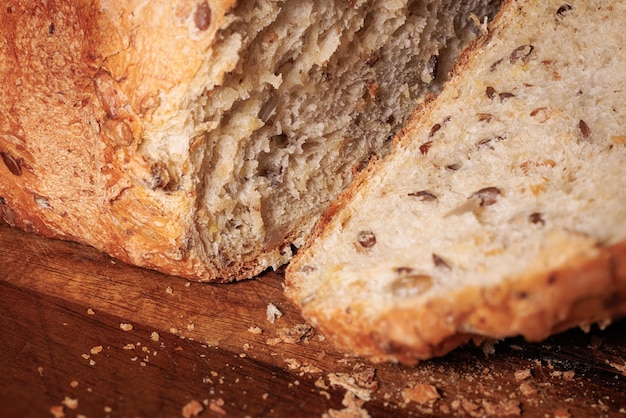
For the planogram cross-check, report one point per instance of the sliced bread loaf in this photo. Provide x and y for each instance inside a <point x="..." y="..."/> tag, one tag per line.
<point x="204" y="137"/>
<point x="502" y="209"/>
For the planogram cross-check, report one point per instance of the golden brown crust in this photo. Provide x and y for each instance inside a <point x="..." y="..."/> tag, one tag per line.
<point x="588" y="290"/>
<point x="84" y="83"/>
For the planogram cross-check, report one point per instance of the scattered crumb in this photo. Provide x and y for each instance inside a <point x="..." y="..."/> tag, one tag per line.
<point x="191" y="327"/>
<point x="295" y="334"/>
<point x="310" y="369"/>
<point x="273" y="341"/>
<point x="70" y="403"/>
<point x="569" y="376"/>
<point x="92" y="362"/>
<point x="96" y="350"/>
<point x="57" y="411"/>
<point x="503" y="409"/>
<point x="192" y="409"/>
<point x="528" y="389"/>
<point x="126" y="327"/>
<point x="169" y="290"/>
<point x="421" y="394"/>
<point x="255" y="330"/>
<point x="155" y="336"/>
<point x="469" y="406"/>
<point x="360" y="389"/>
<point x="216" y="406"/>
<point x="74" y="384"/>
<point x="129" y="347"/>
<point x="40" y="370"/>
<point x="353" y="408"/>
<point x="272" y="313"/>
<point x="85" y="356"/>
<point x="522" y="375"/>
<point x="90" y="312"/>
<point x="265" y="396"/>
<point x="319" y="383"/>
<point x="293" y="364"/>
<point x="620" y="367"/>
<point x="108" y="409"/>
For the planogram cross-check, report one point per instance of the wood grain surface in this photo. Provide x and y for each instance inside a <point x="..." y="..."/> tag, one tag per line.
<point x="84" y="335"/>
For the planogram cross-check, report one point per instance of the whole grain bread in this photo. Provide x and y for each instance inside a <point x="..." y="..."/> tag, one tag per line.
<point x="204" y="138"/>
<point x="502" y="210"/>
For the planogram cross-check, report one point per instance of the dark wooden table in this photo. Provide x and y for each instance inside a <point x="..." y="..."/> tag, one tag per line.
<point x="84" y="335"/>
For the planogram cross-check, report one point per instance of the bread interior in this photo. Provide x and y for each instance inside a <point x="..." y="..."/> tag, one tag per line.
<point x="316" y="90"/>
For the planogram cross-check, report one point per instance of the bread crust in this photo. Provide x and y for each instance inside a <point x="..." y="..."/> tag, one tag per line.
<point x="84" y="83"/>
<point x="534" y="306"/>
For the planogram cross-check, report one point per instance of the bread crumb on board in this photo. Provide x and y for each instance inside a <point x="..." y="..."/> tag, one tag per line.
<point x="297" y="333"/>
<point x="126" y="327"/>
<point x="272" y="313"/>
<point x="353" y="408"/>
<point x="192" y="409"/>
<point x="70" y="403"/>
<point x="96" y="350"/>
<point x="362" y="387"/>
<point x="57" y="411"/>
<point x="216" y="406"/>
<point x="255" y="330"/>
<point x="421" y="394"/>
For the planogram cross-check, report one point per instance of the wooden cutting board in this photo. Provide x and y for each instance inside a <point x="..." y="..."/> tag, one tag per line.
<point x="85" y="335"/>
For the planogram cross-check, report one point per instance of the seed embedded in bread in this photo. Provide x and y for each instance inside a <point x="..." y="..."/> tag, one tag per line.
<point x="366" y="239"/>
<point x="440" y="262"/>
<point x="11" y="163"/>
<point x="564" y="9"/>
<point x="425" y="147"/>
<point x="536" y="218"/>
<point x="424" y="195"/>
<point x="488" y="195"/>
<point x="202" y="16"/>
<point x="521" y="53"/>
<point x="584" y="129"/>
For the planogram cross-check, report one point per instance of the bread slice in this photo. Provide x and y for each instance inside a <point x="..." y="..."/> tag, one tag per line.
<point x="502" y="209"/>
<point x="203" y="138"/>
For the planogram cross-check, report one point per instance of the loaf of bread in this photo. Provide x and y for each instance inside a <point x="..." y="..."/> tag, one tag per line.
<point x="502" y="210"/>
<point x="204" y="138"/>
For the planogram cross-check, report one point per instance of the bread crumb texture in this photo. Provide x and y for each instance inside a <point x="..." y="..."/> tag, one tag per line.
<point x="500" y="211"/>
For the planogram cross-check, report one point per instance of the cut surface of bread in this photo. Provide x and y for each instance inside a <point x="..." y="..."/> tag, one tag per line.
<point x="502" y="209"/>
<point x="204" y="138"/>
